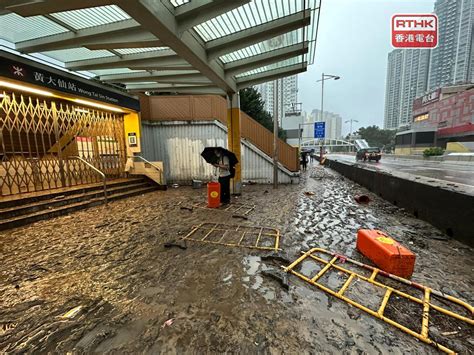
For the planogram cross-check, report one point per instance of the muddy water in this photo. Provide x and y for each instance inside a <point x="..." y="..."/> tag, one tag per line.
<point x="111" y="261"/>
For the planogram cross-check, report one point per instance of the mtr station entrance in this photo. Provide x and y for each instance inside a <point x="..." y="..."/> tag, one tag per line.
<point x="52" y="139"/>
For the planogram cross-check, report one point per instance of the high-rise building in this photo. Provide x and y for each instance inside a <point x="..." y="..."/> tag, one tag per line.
<point x="407" y="77"/>
<point x="287" y="89"/>
<point x="413" y="72"/>
<point x="452" y="61"/>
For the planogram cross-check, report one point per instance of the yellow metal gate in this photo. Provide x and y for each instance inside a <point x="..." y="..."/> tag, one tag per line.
<point x="253" y="237"/>
<point x="333" y="263"/>
<point x="41" y="138"/>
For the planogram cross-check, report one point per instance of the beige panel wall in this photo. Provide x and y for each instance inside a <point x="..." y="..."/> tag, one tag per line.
<point x="206" y="107"/>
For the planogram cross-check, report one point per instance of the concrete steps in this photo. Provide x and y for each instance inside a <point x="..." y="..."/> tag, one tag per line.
<point x="16" y="212"/>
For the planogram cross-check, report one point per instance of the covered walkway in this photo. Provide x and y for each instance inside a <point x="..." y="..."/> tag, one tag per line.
<point x="199" y="46"/>
<point x="169" y="46"/>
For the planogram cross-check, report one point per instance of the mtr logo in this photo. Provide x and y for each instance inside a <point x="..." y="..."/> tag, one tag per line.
<point x="414" y="31"/>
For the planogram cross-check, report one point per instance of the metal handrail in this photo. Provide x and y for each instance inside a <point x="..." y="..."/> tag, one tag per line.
<point x="149" y="162"/>
<point x="98" y="172"/>
<point x="153" y="165"/>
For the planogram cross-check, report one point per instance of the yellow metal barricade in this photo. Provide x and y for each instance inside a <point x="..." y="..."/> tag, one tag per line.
<point x="316" y="253"/>
<point x="253" y="237"/>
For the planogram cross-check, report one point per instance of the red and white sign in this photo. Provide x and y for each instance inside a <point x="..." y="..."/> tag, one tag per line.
<point x="414" y="31"/>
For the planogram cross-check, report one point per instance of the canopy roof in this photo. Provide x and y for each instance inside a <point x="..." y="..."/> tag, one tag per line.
<point x="197" y="46"/>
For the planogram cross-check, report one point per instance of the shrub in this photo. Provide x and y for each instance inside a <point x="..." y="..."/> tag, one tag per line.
<point x="433" y="151"/>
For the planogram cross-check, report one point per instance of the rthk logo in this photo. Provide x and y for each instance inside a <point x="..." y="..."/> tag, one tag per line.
<point x="414" y="31"/>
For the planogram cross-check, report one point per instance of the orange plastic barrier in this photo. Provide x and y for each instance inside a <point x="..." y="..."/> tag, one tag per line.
<point x="213" y="194"/>
<point x="385" y="252"/>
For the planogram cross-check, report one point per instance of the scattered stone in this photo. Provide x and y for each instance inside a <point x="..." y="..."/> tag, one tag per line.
<point x="175" y="244"/>
<point x="449" y="333"/>
<point x="276" y="257"/>
<point x="168" y="323"/>
<point x="279" y="276"/>
<point x="72" y="313"/>
<point x="215" y="317"/>
<point x="239" y="216"/>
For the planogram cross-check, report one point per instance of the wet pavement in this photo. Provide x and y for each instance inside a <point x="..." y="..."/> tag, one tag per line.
<point x="110" y="262"/>
<point x="458" y="172"/>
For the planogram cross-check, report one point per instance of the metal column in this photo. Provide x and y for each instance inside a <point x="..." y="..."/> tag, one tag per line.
<point x="233" y="139"/>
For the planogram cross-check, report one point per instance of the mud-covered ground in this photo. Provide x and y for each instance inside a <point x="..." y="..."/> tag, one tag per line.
<point x="111" y="261"/>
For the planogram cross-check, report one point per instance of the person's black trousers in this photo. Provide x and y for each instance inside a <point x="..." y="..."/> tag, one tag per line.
<point x="225" y="188"/>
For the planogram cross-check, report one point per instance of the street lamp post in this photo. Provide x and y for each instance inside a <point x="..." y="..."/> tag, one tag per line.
<point x="324" y="77"/>
<point x="350" y="132"/>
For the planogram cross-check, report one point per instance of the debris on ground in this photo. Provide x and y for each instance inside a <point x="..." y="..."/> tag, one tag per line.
<point x="6" y="327"/>
<point x="197" y="184"/>
<point x="239" y="216"/>
<point x="72" y="313"/>
<point x="176" y="244"/>
<point x="279" y="276"/>
<point x="384" y="285"/>
<point x="235" y="235"/>
<point x="168" y="323"/>
<point x="309" y="193"/>
<point x="449" y="333"/>
<point x="276" y="257"/>
<point x="362" y="198"/>
<point x="385" y="252"/>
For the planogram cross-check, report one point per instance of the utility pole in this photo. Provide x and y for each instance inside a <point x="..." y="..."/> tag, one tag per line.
<point x="324" y="77"/>
<point x="350" y="132"/>
<point x="275" y="134"/>
<point x="321" y="119"/>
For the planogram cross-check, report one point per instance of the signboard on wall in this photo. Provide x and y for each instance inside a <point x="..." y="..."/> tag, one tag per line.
<point x="26" y="71"/>
<point x="426" y="99"/>
<point x="132" y="139"/>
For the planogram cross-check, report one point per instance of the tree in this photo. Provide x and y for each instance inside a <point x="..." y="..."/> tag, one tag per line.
<point x="377" y="137"/>
<point x="252" y="104"/>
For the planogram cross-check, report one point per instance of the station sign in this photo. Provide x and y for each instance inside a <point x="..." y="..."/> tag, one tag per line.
<point x="414" y="31"/>
<point x="71" y="84"/>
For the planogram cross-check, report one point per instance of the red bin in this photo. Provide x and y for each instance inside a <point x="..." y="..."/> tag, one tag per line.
<point x="388" y="254"/>
<point x="213" y="194"/>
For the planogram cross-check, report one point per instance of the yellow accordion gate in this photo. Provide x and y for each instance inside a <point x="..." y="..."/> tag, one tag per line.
<point x="40" y="138"/>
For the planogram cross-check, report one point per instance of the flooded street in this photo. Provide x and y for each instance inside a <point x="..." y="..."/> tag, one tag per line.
<point x="110" y="262"/>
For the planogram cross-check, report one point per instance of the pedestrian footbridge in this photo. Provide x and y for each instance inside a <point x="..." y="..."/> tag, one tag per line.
<point x="327" y="143"/>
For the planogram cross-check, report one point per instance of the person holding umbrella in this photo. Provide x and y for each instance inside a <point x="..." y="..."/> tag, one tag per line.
<point x="225" y="161"/>
<point x="223" y="164"/>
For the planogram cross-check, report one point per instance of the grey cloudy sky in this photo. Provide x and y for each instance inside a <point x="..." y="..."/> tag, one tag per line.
<point x="353" y="42"/>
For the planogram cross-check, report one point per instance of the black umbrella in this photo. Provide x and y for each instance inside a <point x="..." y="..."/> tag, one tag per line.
<point x="209" y="155"/>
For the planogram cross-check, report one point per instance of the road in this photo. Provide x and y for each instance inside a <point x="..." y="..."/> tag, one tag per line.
<point x="446" y="171"/>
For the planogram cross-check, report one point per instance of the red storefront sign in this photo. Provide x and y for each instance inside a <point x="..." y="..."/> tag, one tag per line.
<point x="414" y="31"/>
